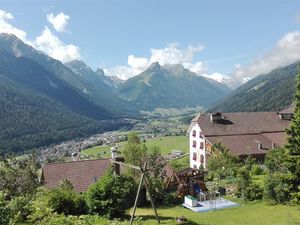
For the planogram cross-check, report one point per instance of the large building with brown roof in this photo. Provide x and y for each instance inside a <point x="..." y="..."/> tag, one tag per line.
<point x="245" y="133"/>
<point x="80" y="173"/>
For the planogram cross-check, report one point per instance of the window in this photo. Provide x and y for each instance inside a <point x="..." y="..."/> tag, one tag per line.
<point x="201" y="145"/>
<point x="194" y="156"/>
<point x="201" y="134"/>
<point x="194" y="144"/>
<point x="202" y="159"/>
<point x="195" y="166"/>
<point x="194" y="133"/>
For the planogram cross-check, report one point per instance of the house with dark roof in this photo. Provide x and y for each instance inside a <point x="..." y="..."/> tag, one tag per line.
<point x="243" y="133"/>
<point x="80" y="173"/>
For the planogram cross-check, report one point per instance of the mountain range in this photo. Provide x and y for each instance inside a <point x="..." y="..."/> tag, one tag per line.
<point x="171" y="86"/>
<point x="266" y="92"/>
<point x="44" y="101"/>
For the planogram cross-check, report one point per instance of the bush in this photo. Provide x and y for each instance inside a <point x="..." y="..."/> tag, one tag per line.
<point x="246" y="188"/>
<point x="19" y="208"/>
<point x="172" y="199"/>
<point x="251" y="193"/>
<point x="38" y="207"/>
<point x="67" y="201"/>
<point x="4" y="210"/>
<point x="254" y="192"/>
<point x="257" y="170"/>
<point x="276" y="189"/>
<point x="111" y="196"/>
<point x="58" y="219"/>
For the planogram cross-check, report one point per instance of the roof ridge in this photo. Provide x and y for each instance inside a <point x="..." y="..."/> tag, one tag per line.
<point x="56" y="163"/>
<point x="239" y="134"/>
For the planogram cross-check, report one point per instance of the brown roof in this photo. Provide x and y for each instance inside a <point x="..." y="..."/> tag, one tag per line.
<point x="80" y="173"/>
<point x="241" y="132"/>
<point x="248" y="144"/>
<point x="288" y="110"/>
<point x="243" y="123"/>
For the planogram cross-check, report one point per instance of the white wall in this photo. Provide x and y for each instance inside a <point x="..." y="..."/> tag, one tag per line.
<point x="200" y="152"/>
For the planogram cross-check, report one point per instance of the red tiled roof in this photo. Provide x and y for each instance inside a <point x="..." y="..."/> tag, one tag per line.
<point x="80" y="173"/>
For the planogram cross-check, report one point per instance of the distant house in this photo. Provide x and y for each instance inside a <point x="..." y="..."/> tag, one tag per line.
<point x="244" y="133"/>
<point x="80" y="173"/>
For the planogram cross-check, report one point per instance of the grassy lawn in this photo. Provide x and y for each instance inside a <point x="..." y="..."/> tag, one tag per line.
<point x="98" y="151"/>
<point x="166" y="145"/>
<point x="253" y="213"/>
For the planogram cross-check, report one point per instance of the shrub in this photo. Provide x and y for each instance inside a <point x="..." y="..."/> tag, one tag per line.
<point x="257" y="170"/>
<point x="172" y="199"/>
<point x="246" y="189"/>
<point x="111" y="196"/>
<point x="4" y="210"/>
<point x="19" y="207"/>
<point x="276" y="190"/>
<point x="66" y="200"/>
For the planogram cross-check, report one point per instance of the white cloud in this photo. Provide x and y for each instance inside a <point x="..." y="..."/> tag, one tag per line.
<point x="286" y="51"/>
<point x="54" y="47"/>
<point x="123" y="72"/>
<point x="46" y="42"/>
<point x="137" y="64"/>
<point x="59" y="22"/>
<point x="172" y="54"/>
<point x="6" y="27"/>
<point x="222" y="78"/>
<point x="198" y="67"/>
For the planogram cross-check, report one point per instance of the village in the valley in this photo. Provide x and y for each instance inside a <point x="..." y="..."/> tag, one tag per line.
<point x="149" y="112"/>
<point x="246" y="136"/>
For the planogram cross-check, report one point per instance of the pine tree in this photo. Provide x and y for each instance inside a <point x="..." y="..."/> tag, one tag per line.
<point x="293" y="149"/>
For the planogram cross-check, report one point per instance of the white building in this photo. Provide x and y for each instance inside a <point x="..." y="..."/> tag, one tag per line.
<point x="197" y="145"/>
<point x="243" y="133"/>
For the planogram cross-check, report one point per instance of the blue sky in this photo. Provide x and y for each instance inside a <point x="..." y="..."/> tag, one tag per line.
<point x="223" y="37"/>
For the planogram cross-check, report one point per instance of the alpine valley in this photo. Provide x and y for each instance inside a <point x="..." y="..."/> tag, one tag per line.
<point x="44" y="101"/>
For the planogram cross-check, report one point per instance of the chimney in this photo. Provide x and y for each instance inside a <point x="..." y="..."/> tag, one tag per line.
<point x="114" y="152"/>
<point x="79" y="154"/>
<point x="273" y="145"/>
<point x="117" y="168"/>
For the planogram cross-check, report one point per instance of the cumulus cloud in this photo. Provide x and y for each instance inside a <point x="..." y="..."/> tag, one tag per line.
<point x="59" y="22"/>
<point x="198" y="67"/>
<point x="47" y="42"/>
<point x="6" y="27"/>
<point x="171" y="54"/>
<point x="286" y="51"/>
<point x="222" y="78"/>
<point x="50" y="44"/>
<point x="123" y="72"/>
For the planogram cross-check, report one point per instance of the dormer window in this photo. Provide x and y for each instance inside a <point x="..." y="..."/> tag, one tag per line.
<point x="194" y="133"/>
<point x="95" y="179"/>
